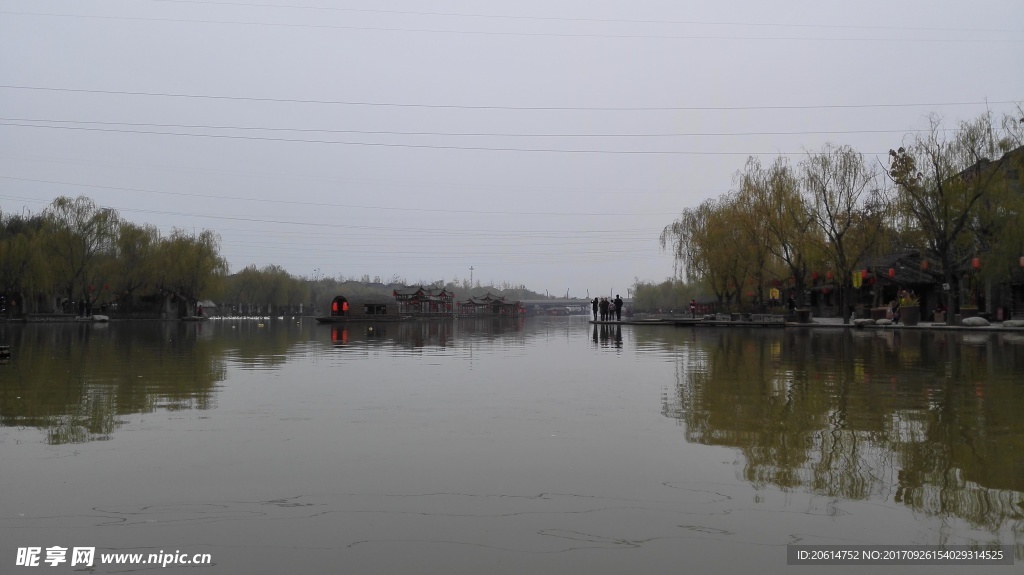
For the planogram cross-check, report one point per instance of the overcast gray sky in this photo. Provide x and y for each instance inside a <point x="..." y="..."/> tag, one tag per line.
<point x="543" y="143"/>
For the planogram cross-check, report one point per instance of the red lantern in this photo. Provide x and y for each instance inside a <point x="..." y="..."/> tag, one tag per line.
<point x="824" y="291"/>
<point x="924" y="264"/>
<point x="1022" y="261"/>
<point x="863" y="274"/>
<point x="828" y="275"/>
<point x="892" y="272"/>
<point x="976" y="263"/>
<point x="814" y="276"/>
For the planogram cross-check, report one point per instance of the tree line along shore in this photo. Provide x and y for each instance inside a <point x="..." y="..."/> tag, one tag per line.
<point x="938" y="221"/>
<point x="77" y="256"/>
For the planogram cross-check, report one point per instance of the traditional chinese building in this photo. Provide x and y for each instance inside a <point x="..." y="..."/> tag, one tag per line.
<point x="490" y="305"/>
<point x="420" y="301"/>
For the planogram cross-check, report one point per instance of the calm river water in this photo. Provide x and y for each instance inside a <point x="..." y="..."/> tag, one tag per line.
<point x="541" y="446"/>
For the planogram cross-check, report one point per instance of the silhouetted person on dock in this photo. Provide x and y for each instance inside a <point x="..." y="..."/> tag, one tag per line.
<point x="693" y="309"/>
<point x="604" y="309"/>
<point x="595" y="302"/>
<point x="618" y="307"/>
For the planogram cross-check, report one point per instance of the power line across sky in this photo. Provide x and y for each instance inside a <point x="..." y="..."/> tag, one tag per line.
<point x="930" y="105"/>
<point x="548" y="142"/>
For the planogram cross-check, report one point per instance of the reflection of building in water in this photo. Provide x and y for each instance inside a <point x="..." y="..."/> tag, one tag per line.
<point x="436" y="332"/>
<point x="927" y="420"/>
<point x="489" y="326"/>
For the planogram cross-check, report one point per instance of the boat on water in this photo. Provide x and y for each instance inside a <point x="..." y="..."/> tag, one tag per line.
<point x="344" y="310"/>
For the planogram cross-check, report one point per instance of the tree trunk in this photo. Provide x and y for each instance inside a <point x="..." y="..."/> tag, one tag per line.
<point x="844" y="305"/>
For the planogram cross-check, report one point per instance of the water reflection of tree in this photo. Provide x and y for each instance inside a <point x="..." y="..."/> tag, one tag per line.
<point x="262" y="344"/>
<point x="77" y="382"/>
<point x="924" y="419"/>
<point x="485" y="328"/>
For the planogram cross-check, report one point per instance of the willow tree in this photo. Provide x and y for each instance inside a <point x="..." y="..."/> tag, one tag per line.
<point x="135" y="261"/>
<point x="298" y="290"/>
<point x="24" y="269"/>
<point x="243" y="287"/>
<point x="846" y="206"/>
<point x="955" y="196"/>
<point x="79" y="234"/>
<point x="785" y="221"/>
<point x="689" y="263"/>
<point x="274" y="283"/>
<point x="192" y="264"/>
<point x="707" y="247"/>
<point x="752" y="224"/>
<point x="669" y="294"/>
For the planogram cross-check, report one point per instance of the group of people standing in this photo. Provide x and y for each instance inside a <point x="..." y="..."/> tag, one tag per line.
<point x="611" y="310"/>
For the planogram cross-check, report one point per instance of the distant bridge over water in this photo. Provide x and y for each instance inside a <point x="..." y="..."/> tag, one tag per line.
<point x="571" y="305"/>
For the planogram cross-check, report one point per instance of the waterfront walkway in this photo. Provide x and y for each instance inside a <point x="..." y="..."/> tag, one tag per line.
<point x="818" y="322"/>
